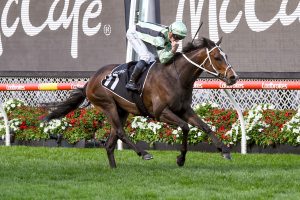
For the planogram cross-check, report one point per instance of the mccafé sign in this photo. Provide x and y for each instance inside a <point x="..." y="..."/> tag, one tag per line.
<point x="61" y="35"/>
<point x="83" y="35"/>
<point x="258" y="35"/>
<point x="217" y="18"/>
<point x="65" y="20"/>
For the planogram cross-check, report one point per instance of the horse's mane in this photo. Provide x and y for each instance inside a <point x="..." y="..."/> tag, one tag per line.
<point x="191" y="46"/>
<point x="198" y="44"/>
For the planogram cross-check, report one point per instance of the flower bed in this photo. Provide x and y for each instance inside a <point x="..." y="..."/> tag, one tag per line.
<point x="265" y="126"/>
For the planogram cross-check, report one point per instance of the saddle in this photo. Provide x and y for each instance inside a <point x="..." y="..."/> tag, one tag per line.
<point x="118" y="78"/>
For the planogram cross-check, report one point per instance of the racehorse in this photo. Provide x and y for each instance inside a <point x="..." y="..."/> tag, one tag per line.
<point x="167" y="95"/>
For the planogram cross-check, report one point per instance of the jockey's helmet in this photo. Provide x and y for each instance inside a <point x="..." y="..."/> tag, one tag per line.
<point x="179" y="29"/>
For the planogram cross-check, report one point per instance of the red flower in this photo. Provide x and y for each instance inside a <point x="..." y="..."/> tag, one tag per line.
<point x="168" y="132"/>
<point x="70" y="115"/>
<point x="23" y="125"/>
<point x="224" y="137"/>
<point x="221" y="129"/>
<point x="216" y="111"/>
<point x="174" y="137"/>
<point x="268" y="120"/>
<point x="72" y="121"/>
<point x="95" y="124"/>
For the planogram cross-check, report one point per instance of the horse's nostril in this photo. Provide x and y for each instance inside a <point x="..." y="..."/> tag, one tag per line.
<point x="232" y="77"/>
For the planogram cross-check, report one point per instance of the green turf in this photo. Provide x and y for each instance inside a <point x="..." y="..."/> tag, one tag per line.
<point x="61" y="173"/>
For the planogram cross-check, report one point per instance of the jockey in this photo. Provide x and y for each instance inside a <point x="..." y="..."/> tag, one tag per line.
<point x="150" y="40"/>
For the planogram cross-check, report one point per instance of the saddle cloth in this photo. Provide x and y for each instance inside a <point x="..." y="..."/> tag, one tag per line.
<point x="120" y="75"/>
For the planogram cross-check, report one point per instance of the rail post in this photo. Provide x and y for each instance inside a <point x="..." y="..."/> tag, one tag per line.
<point x="242" y="121"/>
<point x="7" y="135"/>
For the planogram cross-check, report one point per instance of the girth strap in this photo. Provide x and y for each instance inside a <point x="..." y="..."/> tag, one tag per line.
<point x="140" y="104"/>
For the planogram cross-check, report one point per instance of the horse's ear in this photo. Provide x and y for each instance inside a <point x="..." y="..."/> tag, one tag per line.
<point x="219" y="42"/>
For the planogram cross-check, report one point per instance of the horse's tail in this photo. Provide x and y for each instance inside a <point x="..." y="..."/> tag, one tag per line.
<point x="61" y="109"/>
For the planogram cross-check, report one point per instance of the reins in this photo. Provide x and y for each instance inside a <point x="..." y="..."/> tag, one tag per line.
<point x="201" y="66"/>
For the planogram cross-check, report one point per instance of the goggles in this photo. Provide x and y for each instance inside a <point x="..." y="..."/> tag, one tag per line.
<point x="177" y="37"/>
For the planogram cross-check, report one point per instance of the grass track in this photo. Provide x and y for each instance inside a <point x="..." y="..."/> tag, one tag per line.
<point x="60" y="173"/>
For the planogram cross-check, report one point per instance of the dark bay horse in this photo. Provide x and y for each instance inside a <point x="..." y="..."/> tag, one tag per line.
<point x="167" y="96"/>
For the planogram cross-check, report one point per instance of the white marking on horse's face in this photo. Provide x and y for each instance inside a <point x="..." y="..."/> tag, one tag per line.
<point x="226" y="60"/>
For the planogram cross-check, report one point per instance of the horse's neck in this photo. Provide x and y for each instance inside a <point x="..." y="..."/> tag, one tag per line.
<point x="187" y="72"/>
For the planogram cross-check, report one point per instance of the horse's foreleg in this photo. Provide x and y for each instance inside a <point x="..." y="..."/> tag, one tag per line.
<point x="171" y="118"/>
<point x="192" y="118"/>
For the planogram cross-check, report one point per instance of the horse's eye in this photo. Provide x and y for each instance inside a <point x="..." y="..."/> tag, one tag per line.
<point x="218" y="58"/>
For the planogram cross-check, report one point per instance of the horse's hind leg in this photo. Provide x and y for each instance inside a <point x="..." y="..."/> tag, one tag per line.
<point x="110" y="148"/>
<point x="117" y="118"/>
<point x="122" y="136"/>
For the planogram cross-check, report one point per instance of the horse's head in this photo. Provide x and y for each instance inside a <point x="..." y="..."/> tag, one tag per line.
<point x="209" y="57"/>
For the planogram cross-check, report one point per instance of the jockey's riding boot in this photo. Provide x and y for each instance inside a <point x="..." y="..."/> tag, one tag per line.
<point x="139" y="67"/>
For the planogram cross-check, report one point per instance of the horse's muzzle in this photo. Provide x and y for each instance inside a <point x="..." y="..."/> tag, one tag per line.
<point x="232" y="79"/>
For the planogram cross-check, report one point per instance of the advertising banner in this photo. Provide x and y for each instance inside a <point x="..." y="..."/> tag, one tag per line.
<point x="258" y="35"/>
<point x="61" y="35"/>
<point x="83" y="35"/>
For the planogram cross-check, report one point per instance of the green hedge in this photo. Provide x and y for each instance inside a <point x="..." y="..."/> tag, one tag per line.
<point x="264" y="125"/>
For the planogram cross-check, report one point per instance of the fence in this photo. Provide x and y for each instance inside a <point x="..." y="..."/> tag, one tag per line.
<point x="247" y="99"/>
<point x="283" y="94"/>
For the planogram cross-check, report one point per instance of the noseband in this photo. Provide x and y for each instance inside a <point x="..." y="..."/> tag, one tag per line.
<point x="216" y="72"/>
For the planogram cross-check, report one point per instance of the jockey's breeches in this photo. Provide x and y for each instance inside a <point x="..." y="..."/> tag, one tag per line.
<point x="139" y="46"/>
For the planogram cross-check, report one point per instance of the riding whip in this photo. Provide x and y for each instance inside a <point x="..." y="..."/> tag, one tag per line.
<point x="197" y="32"/>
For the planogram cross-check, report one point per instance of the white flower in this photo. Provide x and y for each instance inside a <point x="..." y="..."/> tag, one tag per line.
<point x="258" y="107"/>
<point x="296" y="130"/>
<point x="143" y="119"/>
<point x="298" y="139"/>
<point x="213" y="128"/>
<point x="154" y="127"/>
<point x="202" y="104"/>
<point x="55" y="126"/>
<point x="197" y="107"/>
<point x="175" y="132"/>
<point x="134" y="124"/>
<point x="141" y="125"/>
<point x="194" y="129"/>
<point x="214" y="105"/>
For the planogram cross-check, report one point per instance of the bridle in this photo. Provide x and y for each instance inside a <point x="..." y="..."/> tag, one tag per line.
<point x="216" y="72"/>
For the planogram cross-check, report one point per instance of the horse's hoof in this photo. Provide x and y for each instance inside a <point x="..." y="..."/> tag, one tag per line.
<point x="180" y="161"/>
<point x="147" y="156"/>
<point x="113" y="166"/>
<point x="227" y="156"/>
